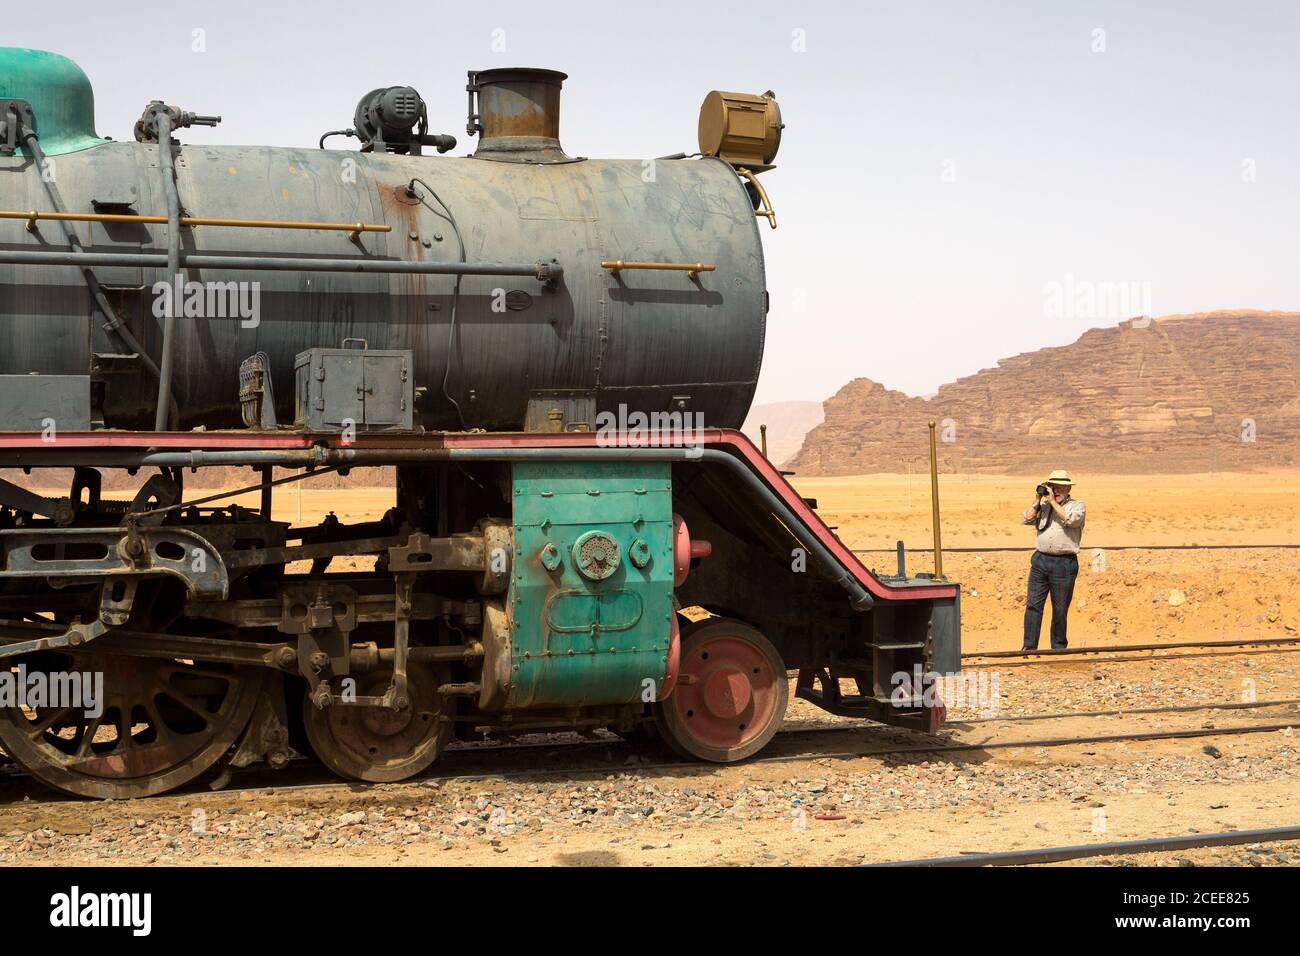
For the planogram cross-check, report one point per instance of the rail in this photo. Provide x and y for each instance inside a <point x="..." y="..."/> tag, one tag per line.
<point x="1059" y="854"/>
<point x="1122" y="648"/>
<point x="264" y="779"/>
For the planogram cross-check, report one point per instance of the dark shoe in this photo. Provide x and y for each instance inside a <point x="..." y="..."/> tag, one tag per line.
<point x="1027" y="649"/>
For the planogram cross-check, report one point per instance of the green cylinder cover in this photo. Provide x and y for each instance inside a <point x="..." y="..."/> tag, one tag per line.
<point x="589" y="628"/>
<point x="62" y="101"/>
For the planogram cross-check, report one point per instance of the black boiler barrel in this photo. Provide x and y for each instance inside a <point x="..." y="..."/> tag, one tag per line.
<point x="632" y="338"/>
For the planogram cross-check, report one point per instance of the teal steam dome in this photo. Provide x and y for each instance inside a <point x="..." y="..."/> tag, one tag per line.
<point x="62" y="100"/>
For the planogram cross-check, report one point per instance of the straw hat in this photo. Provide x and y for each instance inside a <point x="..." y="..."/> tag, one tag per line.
<point x="1059" y="477"/>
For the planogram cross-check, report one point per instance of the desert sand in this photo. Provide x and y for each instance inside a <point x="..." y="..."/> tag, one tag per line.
<point x="1121" y="596"/>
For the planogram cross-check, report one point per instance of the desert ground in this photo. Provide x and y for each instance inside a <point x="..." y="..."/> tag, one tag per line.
<point x="825" y="799"/>
<point x="1121" y="596"/>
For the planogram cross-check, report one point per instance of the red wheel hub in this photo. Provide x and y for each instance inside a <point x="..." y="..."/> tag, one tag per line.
<point x="726" y="694"/>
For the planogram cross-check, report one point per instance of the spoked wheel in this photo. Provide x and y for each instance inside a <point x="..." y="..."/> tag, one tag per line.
<point x="377" y="744"/>
<point x="730" y="696"/>
<point x="160" y="724"/>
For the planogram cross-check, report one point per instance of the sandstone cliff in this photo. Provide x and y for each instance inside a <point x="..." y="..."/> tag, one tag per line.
<point x="1203" y="392"/>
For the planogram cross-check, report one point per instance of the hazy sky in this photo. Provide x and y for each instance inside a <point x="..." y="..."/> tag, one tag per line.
<point x="957" y="181"/>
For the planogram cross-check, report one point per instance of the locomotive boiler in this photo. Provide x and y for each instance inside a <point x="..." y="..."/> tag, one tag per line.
<point x="549" y="352"/>
<point x="485" y="340"/>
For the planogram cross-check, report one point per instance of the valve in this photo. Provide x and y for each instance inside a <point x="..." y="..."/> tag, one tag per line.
<point x="146" y="127"/>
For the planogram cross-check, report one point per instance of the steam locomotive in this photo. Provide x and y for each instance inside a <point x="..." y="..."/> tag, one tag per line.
<point x="550" y="354"/>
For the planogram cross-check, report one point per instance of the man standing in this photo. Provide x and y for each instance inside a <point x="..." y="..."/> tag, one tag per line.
<point x="1055" y="564"/>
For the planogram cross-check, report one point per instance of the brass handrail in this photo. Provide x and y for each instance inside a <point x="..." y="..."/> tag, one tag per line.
<point x="33" y="216"/>
<point x="763" y="201"/>
<point x="692" y="269"/>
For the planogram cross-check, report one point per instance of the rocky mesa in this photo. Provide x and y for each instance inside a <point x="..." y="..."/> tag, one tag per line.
<point x="1184" y="393"/>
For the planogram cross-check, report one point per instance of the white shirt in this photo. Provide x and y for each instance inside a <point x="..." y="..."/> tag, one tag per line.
<point x="1061" y="537"/>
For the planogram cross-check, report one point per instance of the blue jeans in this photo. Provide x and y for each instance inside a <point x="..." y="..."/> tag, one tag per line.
<point x="1049" y="574"/>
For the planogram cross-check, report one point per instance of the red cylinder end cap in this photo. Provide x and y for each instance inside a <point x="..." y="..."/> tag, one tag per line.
<point x="685" y="550"/>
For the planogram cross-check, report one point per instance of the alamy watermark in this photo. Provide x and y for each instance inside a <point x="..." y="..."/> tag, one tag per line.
<point x="209" y="300"/>
<point x="82" y="690"/>
<point x="76" y="908"/>
<point x="1109" y="301"/>
<point x="979" y="691"/>
<point x="629" y="429"/>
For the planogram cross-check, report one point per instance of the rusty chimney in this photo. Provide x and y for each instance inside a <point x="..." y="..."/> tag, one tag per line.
<point x="518" y="115"/>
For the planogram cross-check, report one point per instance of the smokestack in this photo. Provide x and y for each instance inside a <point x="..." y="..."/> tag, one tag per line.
<point x="518" y="115"/>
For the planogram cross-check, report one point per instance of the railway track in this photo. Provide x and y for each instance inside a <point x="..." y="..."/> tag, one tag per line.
<point x="606" y="767"/>
<point x="276" y="779"/>
<point x="1131" y="711"/>
<point x="1113" y="648"/>
<point x="1120" y="653"/>
<point x="1135" y="660"/>
<point x="317" y="777"/>
<point x="1060" y="854"/>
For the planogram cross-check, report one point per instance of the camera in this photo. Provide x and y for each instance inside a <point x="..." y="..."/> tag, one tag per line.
<point x="1042" y="490"/>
